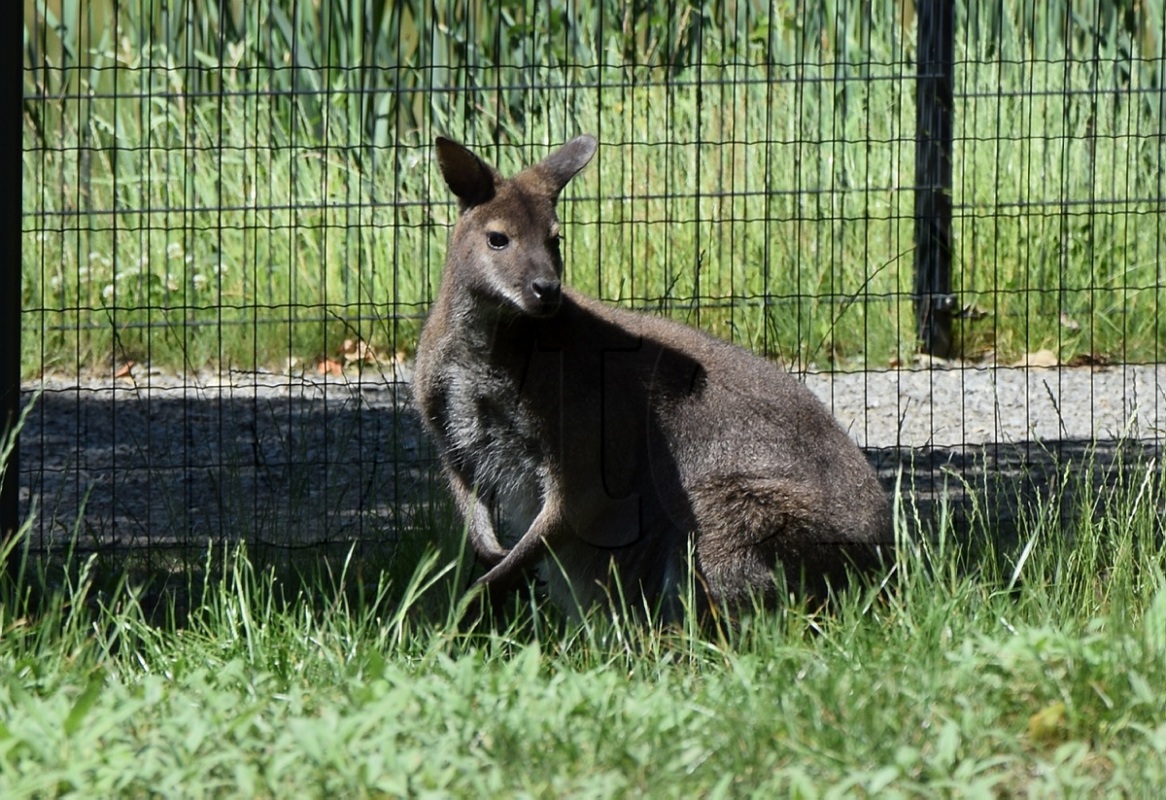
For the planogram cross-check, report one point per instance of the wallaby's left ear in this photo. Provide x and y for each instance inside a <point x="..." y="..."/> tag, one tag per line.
<point x="471" y="179"/>
<point x="557" y="169"/>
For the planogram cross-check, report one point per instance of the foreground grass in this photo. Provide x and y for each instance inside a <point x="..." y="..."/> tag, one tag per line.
<point x="1039" y="672"/>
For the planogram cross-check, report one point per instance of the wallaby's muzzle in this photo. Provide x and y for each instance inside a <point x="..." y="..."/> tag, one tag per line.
<point x="547" y="296"/>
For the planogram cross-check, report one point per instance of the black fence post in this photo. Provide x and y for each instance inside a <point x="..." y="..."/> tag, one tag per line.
<point x="10" y="221"/>
<point x="934" y="301"/>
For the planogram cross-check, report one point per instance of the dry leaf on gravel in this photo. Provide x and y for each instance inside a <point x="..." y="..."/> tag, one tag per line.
<point x="358" y="350"/>
<point x="330" y="367"/>
<point x="1040" y="358"/>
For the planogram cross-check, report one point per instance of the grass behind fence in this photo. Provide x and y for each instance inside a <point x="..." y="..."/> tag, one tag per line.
<point x="1060" y="191"/>
<point x="255" y="244"/>
<point x="223" y="202"/>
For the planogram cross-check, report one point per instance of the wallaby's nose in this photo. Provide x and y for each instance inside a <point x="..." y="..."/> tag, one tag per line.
<point x="547" y="290"/>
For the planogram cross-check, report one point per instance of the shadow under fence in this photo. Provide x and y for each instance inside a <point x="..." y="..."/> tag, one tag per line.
<point x="305" y="468"/>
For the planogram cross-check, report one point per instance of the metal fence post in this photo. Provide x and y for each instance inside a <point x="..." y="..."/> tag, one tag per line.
<point x="10" y="221"/>
<point x="934" y="301"/>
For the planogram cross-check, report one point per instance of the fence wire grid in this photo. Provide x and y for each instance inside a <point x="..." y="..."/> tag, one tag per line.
<point x="233" y="228"/>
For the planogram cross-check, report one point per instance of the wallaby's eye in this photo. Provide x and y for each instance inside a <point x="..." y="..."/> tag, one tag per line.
<point x="496" y="240"/>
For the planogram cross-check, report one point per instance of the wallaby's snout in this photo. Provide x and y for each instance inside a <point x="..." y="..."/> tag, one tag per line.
<point x="548" y="292"/>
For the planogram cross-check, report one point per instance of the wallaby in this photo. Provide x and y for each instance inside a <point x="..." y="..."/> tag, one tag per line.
<point x="616" y="443"/>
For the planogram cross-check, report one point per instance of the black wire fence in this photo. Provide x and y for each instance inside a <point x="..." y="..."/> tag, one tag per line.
<point x="947" y="217"/>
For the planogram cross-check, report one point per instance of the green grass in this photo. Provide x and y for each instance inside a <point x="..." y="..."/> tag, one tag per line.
<point x="1024" y="257"/>
<point x="320" y="244"/>
<point x="1038" y="672"/>
<point x="194" y="221"/>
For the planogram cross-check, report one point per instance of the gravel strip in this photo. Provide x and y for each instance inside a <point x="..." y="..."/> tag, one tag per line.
<point x="974" y="406"/>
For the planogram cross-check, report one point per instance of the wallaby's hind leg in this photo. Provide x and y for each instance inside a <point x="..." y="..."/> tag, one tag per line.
<point x="749" y="526"/>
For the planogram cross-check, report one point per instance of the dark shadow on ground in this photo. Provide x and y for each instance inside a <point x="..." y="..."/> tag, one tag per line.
<point x="154" y="470"/>
<point x="998" y="488"/>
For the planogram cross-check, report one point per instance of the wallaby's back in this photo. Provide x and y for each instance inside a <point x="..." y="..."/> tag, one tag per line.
<point x="617" y="439"/>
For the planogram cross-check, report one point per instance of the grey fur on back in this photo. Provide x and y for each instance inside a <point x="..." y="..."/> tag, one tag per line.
<point x="616" y="439"/>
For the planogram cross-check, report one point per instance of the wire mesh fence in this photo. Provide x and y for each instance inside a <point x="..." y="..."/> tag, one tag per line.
<point x="233" y="229"/>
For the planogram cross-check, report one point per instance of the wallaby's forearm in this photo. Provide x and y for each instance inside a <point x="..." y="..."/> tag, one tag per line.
<point x="547" y="529"/>
<point x="483" y="537"/>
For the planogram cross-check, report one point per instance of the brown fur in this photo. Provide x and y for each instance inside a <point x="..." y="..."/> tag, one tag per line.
<point x="618" y="440"/>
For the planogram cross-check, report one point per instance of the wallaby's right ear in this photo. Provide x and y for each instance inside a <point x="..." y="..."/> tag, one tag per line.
<point x="560" y="166"/>
<point x="470" y="178"/>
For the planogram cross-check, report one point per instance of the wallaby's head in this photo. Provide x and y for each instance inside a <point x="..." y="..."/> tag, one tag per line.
<point x="505" y="245"/>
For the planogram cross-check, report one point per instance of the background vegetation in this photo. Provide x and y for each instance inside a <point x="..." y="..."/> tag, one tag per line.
<point x="240" y="184"/>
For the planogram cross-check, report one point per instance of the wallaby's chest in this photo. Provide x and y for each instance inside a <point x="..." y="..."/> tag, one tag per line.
<point x="492" y="435"/>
